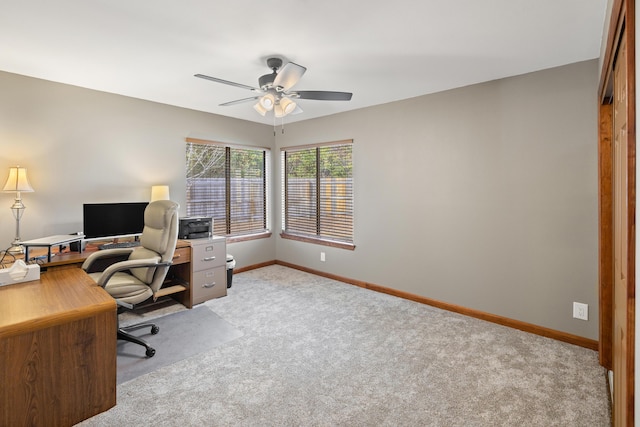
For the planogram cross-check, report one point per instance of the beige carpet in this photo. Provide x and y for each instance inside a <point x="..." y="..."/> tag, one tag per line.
<point x="316" y="352"/>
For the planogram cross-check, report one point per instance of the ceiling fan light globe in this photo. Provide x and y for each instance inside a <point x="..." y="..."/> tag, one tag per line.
<point x="267" y="101"/>
<point x="278" y="111"/>
<point x="287" y="105"/>
<point x="260" y="109"/>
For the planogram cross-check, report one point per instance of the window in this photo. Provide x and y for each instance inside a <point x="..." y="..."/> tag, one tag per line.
<point x="228" y="183"/>
<point x="317" y="184"/>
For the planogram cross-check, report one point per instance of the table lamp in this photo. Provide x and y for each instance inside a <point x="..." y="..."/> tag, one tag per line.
<point x="159" y="192"/>
<point x="17" y="183"/>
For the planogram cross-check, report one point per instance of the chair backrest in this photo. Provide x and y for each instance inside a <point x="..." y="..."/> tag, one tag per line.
<point x="158" y="240"/>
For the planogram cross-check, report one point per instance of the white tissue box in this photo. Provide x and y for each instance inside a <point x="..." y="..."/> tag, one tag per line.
<point x="19" y="272"/>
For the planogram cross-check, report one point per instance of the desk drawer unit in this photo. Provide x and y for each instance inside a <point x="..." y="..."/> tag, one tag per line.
<point x="208" y="269"/>
<point x="208" y="284"/>
<point x="208" y="255"/>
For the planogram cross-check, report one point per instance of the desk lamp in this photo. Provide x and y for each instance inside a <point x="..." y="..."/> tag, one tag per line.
<point x="17" y="183"/>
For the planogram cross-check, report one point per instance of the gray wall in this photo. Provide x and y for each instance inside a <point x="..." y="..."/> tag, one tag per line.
<point x="83" y="146"/>
<point x="484" y="196"/>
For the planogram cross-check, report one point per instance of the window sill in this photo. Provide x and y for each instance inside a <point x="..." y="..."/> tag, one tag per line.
<point x="319" y="241"/>
<point x="247" y="237"/>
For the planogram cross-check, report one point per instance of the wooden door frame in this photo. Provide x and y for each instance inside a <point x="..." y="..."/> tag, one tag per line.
<point x="622" y="23"/>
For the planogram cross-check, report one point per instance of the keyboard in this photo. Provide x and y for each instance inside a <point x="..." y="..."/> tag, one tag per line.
<point x="119" y="245"/>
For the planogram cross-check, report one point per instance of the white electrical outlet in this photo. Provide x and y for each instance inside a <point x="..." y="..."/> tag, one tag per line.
<point x="581" y="311"/>
<point x="322" y="257"/>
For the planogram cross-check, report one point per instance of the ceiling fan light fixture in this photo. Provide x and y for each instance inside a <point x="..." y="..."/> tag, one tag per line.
<point x="287" y="106"/>
<point x="278" y="111"/>
<point x="267" y="101"/>
<point x="260" y="109"/>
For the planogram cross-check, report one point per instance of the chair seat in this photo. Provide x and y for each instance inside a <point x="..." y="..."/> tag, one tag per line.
<point x="125" y="287"/>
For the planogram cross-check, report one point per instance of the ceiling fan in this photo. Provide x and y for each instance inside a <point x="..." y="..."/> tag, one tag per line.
<point x="275" y="90"/>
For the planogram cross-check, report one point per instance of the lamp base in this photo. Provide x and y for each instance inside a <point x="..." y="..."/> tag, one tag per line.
<point x="16" y="249"/>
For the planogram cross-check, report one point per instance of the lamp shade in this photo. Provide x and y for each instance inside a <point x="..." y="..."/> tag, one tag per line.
<point x="260" y="109"/>
<point x="287" y="105"/>
<point x="278" y="111"/>
<point x="267" y="101"/>
<point x="17" y="181"/>
<point x="159" y="192"/>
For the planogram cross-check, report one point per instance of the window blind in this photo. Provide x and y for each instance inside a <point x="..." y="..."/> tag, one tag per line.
<point x="318" y="191"/>
<point x="229" y="184"/>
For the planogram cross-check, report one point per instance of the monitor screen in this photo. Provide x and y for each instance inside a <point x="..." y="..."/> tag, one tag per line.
<point x="111" y="220"/>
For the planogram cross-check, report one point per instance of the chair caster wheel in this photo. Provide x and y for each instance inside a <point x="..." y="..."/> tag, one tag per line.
<point x="151" y="352"/>
<point x="154" y="330"/>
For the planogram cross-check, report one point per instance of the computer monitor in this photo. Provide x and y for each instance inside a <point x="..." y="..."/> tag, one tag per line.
<point x="113" y="220"/>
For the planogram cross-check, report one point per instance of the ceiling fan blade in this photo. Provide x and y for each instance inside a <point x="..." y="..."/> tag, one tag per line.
<point x="297" y="110"/>
<point x="288" y="76"/>
<point x="239" y="101"/>
<point x="226" y="82"/>
<point x="322" y="95"/>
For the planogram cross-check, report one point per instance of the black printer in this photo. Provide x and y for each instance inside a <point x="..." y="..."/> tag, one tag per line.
<point x="195" y="227"/>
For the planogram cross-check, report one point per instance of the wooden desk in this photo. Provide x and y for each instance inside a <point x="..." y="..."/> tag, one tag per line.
<point x="191" y="277"/>
<point x="177" y="281"/>
<point x="58" y="350"/>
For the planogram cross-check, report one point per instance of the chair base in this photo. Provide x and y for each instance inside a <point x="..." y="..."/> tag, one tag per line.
<point x="124" y="335"/>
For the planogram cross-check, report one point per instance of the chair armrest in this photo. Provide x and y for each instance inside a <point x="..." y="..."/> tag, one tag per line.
<point x="127" y="265"/>
<point x="106" y="253"/>
<point x="124" y="304"/>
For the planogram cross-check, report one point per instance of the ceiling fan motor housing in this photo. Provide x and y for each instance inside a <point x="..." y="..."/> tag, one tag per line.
<point x="266" y="82"/>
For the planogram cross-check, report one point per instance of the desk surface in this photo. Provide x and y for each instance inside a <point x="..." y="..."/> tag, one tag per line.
<point x="76" y="258"/>
<point x="58" y="346"/>
<point x="59" y="296"/>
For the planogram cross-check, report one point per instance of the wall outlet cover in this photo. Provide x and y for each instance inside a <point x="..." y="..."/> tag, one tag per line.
<point x="581" y="311"/>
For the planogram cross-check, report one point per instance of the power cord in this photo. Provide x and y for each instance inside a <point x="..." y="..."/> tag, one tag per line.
<point x="37" y="260"/>
<point x="8" y="263"/>
<point x="4" y="264"/>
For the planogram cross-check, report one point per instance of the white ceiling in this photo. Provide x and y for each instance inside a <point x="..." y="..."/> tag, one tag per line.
<point x="381" y="51"/>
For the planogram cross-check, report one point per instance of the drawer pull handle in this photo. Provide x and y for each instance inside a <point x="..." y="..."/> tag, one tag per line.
<point x="176" y="256"/>
<point x="209" y="285"/>
<point x="209" y="258"/>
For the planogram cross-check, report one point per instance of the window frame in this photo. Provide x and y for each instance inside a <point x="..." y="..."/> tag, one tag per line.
<point x="320" y="239"/>
<point x="231" y="238"/>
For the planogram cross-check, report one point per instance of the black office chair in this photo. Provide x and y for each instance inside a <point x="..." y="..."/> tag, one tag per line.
<point x="140" y="276"/>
